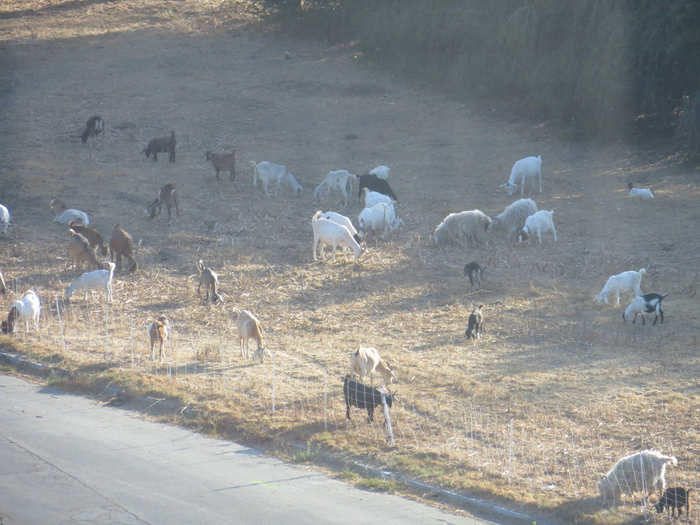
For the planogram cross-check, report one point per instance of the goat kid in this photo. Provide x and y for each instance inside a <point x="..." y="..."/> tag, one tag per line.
<point x="475" y="272"/>
<point x="210" y="280"/>
<point x="250" y="328"/>
<point x="645" y="304"/>
<point x="159" y="332"/>
<point x="363" y="396"/>
<point x="674" y="499"/>
<point x="475" y="326"/>
<point x="27" y="308"/>
<point x="93" y="280"/>
<point x="168" y="196"/>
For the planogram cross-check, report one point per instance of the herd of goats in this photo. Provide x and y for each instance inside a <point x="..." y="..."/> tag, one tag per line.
<point x="641" y="472"/>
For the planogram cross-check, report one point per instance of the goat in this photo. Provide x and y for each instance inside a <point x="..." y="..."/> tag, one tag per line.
<point x="475" y="272"/>
<point x="645" y="304"/>
<point x="380" y="217"/>
<point x="343" y="220"/>
<point x="674" y="498"/>
<point x="3" y="287"/>
<point x="80" y="251"/>
<point x="540" y="222"/>
<point x="168" y="196"/>
<point x="250" y="328"/>
<point x="92" y="235"/>
<point x="370" y="198"/>
<point x="376" y="183"/>
<point x="629" y="281"/>
<point x="367" y="360"/>
<point x="290" y="182"/>
<point x="362" y="396"/>
<point x="161" y="145"/>
<point x="475" y="325"/>
<point x="65" y="215"/>
<point x="92" y="280"/>
<point x="340" y="181"/>
<point x="4" y="218"/>
<point x="158" y="332"/>
<point x="210" y="280"/>
<point x="643" y="471"/>
<point x="223" y="162"/>
<point x="641" y="193"/>
<point x="513" y="218"/>
<point x="523" y="169"/>
<point x="93" y="127"/>
<point x="268" y="173"/>
<point x="462" y="228"/>
<point x="27" y="308"/>
<point x="329" y="232"/>
<point x="121" y="244"/>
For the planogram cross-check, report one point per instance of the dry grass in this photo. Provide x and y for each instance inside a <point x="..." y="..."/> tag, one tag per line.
<point x="556" y="390"/>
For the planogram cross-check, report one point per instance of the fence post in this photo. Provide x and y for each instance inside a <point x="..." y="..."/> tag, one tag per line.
<point x="325" y="400"/>
<point x="273" y="385"/>
<point x="387" y="421"/>
<point x="60" y="326"/>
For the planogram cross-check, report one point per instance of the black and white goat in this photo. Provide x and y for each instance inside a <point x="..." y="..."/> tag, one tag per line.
<point x="645" y="304"/>
<point x="476" y="323"/>
<point x="168" y="196"/>
<point x="475" y="272"/>
<point x="374" y="183"/>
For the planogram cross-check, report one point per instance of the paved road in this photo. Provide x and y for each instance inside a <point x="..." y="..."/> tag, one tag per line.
<point x="66" y="459"/>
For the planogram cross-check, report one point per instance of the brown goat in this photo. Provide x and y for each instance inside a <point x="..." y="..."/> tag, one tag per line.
<point x="210" y="280"/>
<point x="92" y="235"/>
<point x="80" y="251"/>
<point x="120" y="244"/>
<point x="158" y="332"/>
<point x="167" y="196"/>
<point x="223" y="162"/>
<point x="250" y="328"/>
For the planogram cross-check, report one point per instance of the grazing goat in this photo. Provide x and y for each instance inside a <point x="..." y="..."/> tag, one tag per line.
<point x="158" y="332"/>
<point x="161" y="145"/>
<point x="168" y="196"/>
<point x="250" y="328"/>
<point x="65" y="215"/>
<point x="382" y="172"/>
<point x="362" y="396"/>
<point x="80" y="251"/>
<point x="640" y="193"/>
<point x="367" y="360"/>
<point x="290" y="182"/>
<point x="539" y="222"/>
<point x="674" y="498"/>
<point x="340" y="181"/>
<point x="28" y="308"/>
<point x="476" y="323"/>
<point x="643" y="471"/>
<point x="223" y="162"/>
<point x="380" y="217"/>
<point x="92" y="235"/>
<point x="376" y="183"/>
<point x="93" y="280"/>
<point x="344" y="221"/>
<point x="4" y="218"/>
<point x="462" y="228"/>
<point x="268" y="173"/>
<point x="475" y="272"/>
<point x="121" y="244"/>
<point x="3" y="287"/>
<point x="512" y="219"/>
<point x="629" y="281"/>
<point x="334" y="234"/>
<point x="645" y="304"/>
<point x="93" y="127"/>
<point x="523" y="169"/>
<point x="370" y="198"/>
<point x="210" y="280"/>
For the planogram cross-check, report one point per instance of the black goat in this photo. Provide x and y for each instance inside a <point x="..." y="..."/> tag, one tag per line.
<point x="475" y="272"/>
<point x="476" y="323"/>
<point x="374" y="183"/>
<point x="675" y="498"/>
<point x="93" y="127"/>
<point x="161" y="145"/>
<point x="362" y="396"/>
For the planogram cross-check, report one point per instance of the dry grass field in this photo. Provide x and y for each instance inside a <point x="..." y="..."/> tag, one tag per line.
<point x="553" y="394"/>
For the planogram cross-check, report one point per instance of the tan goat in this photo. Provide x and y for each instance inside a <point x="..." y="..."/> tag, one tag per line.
<point x="92" y="235"/>
<point x="120" y="244"/>
<point x="366" y="361"/>
<point x="250" y="328"/>
<point x="159" y="332"/>
<point x="210" y="280"/>
<point x="80" y="251"/>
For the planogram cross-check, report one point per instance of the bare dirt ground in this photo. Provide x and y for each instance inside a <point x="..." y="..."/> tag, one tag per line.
<point x="556" y="390"/>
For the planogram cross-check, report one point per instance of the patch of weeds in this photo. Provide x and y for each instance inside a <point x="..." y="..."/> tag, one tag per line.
<point x="304" y="455"/>
<point x="377" y="484"/>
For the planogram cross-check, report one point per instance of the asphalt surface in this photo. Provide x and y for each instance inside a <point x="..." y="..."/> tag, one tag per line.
<point x="67" y="459"/>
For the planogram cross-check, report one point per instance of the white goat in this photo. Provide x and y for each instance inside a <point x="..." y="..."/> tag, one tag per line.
<point x="462" y="228"/>
<point x="540" y="222"/>
<point x="250" y="328"/>
<point x="342" y="219"/>
<point x="370" y="198"/>
<point x="366" y="361"/>
<point x="334" y="234"/>
<point x="640" y="193"/>
<point x="513" y="218"/>
<point x="381" y="171"/>
<point x="340" y="181"/>
<point x="380" y="217"/>
<point x="645" y="304"/>
<point x="92" y="280"/>
<point x="290" y="182"/>
<point x="640" y="472"/>
<point x="523" y="169"/>
<point x="629" y="281"/>
<point x="65" y="215"/>
<point x="27" y="308"/>
<point x="4" y="218"/>
<point x="268" y="173"/>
